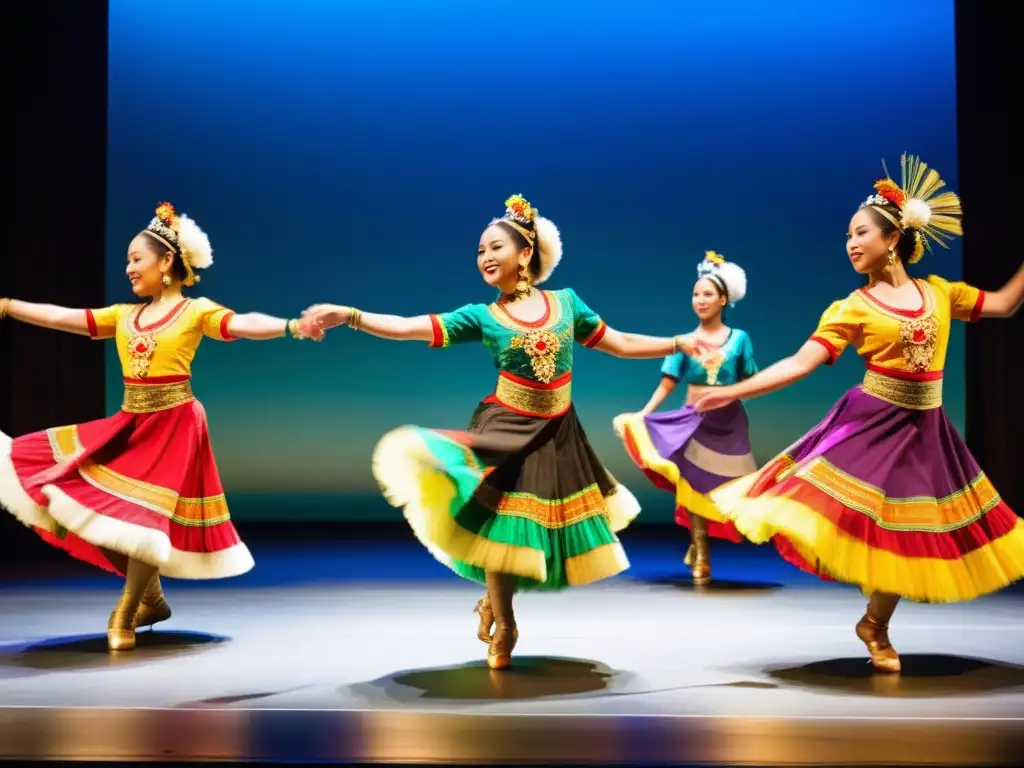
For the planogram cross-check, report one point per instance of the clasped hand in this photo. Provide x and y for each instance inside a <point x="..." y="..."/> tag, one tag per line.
<point x="319" y="318"/>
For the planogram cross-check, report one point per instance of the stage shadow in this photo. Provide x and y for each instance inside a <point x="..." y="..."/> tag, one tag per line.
<point x="240" y="698"/>
<point x="922" y="676"/>
<point x="529" y="677"/>
<point x="717" y="586"/>
<point x="79" y="652"/>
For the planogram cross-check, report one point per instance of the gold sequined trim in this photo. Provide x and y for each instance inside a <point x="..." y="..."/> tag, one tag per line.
<point x="533" y="400"/>
<point x="916" y="395"/>
<point x="148" y="398"/>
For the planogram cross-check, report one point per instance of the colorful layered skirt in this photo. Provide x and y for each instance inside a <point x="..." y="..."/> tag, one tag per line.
<point x="883" y="493"/>
<point x="142" y="483"/>
<point x="690" y="454"/>
<point x="520" y="492"/>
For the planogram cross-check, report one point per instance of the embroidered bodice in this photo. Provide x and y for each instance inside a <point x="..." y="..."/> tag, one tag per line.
<point x="166" y="347"/>
<point x="729" y="363"/>
<point x="541" y="351"/>
<point x="895" y="340"/>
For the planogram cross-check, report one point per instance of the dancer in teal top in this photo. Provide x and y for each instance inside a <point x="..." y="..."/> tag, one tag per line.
<point x="519" y="500"/>
<point x="690" y="453"/>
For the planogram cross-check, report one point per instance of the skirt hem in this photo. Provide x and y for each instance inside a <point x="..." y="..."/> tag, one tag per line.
<point x="831" y="553"/>
<point x="413" y="479"/>
<point x="147" y="545"/>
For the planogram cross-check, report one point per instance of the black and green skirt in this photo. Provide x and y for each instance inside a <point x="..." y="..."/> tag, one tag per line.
<point x="513" y="494"/>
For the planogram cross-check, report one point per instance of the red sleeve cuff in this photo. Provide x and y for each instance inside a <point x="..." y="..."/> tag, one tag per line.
<point x="224" y="323"/>
<point x="595" y="338"/>
<point x="437" y="339"/>
<point x="978" y="306"/>
<point x="90" y="320"/>
<point x="833" y="353"/>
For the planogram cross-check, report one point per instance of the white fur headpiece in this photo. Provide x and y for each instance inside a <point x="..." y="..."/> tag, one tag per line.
<point x="730" y="277"/>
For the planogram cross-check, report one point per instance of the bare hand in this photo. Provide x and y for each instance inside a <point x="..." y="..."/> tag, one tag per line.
<point x="711" y="401"/>
<point x="324" y="316"/>
<point x="306" y="329"/>
<point x="690" y="345"/>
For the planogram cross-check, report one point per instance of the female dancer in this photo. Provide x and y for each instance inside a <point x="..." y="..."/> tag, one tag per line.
<point x="138" y="493"/>
<point x="692" y="453"/>
<point x="883" y="493"/>
<point x="520" y="500"/>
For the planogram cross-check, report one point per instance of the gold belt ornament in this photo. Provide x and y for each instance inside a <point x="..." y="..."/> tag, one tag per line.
<point x="906" y="393"/>
<point x="534" y="400"/>
<point x="148" y="398"/>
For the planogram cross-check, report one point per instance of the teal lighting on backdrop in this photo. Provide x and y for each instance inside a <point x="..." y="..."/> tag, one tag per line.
<point x="353" y="152"/>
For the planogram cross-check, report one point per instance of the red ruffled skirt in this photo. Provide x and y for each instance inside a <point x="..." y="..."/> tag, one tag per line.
<point x="142" y="483"/>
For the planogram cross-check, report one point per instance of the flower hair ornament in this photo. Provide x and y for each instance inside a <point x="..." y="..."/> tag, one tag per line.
<point x="730" y="278"/>
<point x="184" y="238"/>
<point x="923" y="210"/>
<point x="539" y="232"/>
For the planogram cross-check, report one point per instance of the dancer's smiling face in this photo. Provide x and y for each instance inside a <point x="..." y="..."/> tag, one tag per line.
<point x="148" y="262"/>
<point x="501" y="254"/>
<point x="868" y="240"/>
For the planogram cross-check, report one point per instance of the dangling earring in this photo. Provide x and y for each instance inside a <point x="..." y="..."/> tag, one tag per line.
<point x="166" y="280"/>
<point x="892" y="255"/>
<point x="523" y="288"/>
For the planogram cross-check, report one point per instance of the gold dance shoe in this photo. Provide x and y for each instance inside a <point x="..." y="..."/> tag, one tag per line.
<point x="121" y="630"/>
<point x="876" y="637"/>
<point x="499" y="652"/>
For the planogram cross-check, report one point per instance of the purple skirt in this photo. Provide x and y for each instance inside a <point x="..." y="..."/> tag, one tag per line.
<point x="691" y="454"/>
<point x="885" y="497"/>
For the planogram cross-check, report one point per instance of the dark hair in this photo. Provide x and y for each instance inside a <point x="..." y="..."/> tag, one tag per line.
<point x="521" y="242"/>
<point x="160" y="248"/>
<point x="905" y="245"/>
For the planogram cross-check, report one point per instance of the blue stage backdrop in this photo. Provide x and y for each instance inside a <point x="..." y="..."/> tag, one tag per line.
<point x="352" y="152"/>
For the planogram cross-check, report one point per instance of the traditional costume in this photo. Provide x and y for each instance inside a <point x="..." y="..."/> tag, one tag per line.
<point x="143" y="482"/>
<point x="521" y="491"/>
<point x="884" y="493"/>
<point x="690" y="453"/>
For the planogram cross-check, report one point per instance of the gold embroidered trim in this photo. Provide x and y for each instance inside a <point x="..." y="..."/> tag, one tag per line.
<point x="919" y="338"/>
<point x="539" y="402"/>
<point x="149" y="398"/>
<point x="916" y="395"/>
<point x="550" y="513"/>
<point x="542" y="348"/>
<point x="961" y="508"/>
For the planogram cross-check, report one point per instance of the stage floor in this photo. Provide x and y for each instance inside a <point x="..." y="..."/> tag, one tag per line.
<point x="632" y="670"/>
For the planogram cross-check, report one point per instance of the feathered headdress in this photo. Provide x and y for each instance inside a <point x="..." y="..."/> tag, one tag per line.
<point x="729" y="277"/>
<point x="539" y="232"/>
<point x="184" y="238"/>
<point x="923" y="210"/>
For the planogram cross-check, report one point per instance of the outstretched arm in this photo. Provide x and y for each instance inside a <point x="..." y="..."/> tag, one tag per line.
<point x="255" y="326"/>
<point x="1007" y="300"/>
<point x="783" y="373"/>
<point x="394" y="327"/>
<point x="638" y="347"/>
<point x="46" y="316"/>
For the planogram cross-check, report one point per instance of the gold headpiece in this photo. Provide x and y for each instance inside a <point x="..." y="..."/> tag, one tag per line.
<point x="184" y="238"/>
<point x="930" y="216"/>
<point x="519" y="214"/>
